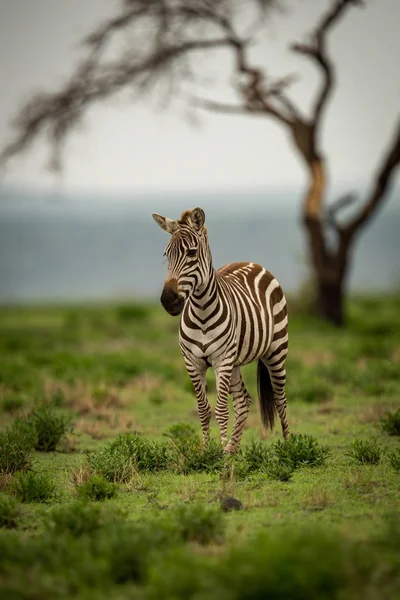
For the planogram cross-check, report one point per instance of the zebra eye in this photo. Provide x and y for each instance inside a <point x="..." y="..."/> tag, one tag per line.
<point x="191" y="252"/>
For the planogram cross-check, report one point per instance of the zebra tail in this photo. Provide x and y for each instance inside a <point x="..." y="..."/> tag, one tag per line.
<point x="265" y="395"/>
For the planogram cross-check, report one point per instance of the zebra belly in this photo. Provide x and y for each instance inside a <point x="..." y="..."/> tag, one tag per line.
<point x="254" y="337"/>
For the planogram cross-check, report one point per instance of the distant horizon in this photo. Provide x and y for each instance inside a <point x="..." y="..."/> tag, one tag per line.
<point x="86" y="194"/>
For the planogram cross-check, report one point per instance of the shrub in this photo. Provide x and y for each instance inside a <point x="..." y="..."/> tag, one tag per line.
<point x="16" y="445"/>
<point x="282" y="471"/>
<point x="97" y="488"/>
<point x="49" y="426"/>
<point x="279" y="566"/>
<point x="256" y="456"/>
<point x="301" y="450"/>
<point x="394" y="459"/>
<point x="128" y="454"/>
<point x="9" y="511"/>
<point x="192" y="456"/>
<point x="77" y="519"/>
<point x="251" y="458"/>
<point x="391" y="423"/>
<point x="202" y="524"/>
<point x="33" y="487"/>
<point x="181" y="432"/>
<point x="365" y="451"/>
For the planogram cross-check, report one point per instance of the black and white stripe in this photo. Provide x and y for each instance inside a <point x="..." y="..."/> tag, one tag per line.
<point x="229" y="318"/>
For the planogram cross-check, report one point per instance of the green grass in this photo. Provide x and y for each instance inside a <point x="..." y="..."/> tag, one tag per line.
<point x="365" y="451"/>
<point x="128" y="502"/>
<point x="391" y="423"/>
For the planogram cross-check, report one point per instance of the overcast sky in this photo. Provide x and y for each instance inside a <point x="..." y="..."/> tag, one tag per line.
<point x="130" y="147"/>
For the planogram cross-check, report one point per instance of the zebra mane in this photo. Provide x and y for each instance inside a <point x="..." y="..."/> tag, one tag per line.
<point x="185" y="218"/>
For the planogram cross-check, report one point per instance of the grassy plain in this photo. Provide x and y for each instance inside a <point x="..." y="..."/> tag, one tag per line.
<point x="330" y="531"/>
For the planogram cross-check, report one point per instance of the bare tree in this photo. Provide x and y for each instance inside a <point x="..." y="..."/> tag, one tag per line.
<point x="165" y="38"/>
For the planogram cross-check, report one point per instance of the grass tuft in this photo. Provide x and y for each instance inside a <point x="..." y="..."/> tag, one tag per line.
<point x="190" y="455"/>
<point x="33" y="487"/>
<point x="9" y="511"/>
<point x="394" y="459"/>
<point x="282" y="471"/>
<point x="199" y="523"/>
<point x="391" y="423"/>
<point x="49" y="426"/>
<point x="128" y="454"/>
<point x="365" y="452"/>
<point x="16" y="446"/>
<point x="97" y="488"/>
<point x="77" y="519"/>
<point x="301" y="450"/>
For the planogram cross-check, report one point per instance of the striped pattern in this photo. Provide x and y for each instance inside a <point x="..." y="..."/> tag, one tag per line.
<point x="229" y="318"/>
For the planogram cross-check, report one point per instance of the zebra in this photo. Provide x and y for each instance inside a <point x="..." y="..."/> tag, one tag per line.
<point x="229" y="317"/>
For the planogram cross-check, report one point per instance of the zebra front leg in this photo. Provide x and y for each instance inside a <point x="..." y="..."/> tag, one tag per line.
<point x="241" y="405"/>
<point x="223" y="375"/>
<point x="197" y="374"/>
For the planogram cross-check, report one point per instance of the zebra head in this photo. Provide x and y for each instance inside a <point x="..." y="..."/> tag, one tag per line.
<point x="189" y="258"/>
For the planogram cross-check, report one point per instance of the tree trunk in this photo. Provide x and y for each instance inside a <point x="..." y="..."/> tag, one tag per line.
<point x="329" y="265"/>
<point x="330" y="300"/>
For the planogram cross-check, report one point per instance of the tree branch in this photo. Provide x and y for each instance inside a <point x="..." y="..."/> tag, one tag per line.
<point x="221" y="107"/>
<point x="380" y="187"/>
<point x="317" y="51"/>
<point x="57" y="113"/>
<point x="335" y="207"/>
<point x="165" y="33"/>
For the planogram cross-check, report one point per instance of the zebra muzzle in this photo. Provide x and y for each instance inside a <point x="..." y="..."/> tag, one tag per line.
<point x="172" y="301"/>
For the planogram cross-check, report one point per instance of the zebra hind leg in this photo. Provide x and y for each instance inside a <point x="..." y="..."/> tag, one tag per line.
<point x="277" y="373"/>
<point x="241" y="405"/>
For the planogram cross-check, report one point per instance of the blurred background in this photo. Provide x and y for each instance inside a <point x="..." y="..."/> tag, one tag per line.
<point x="86" y="233"/>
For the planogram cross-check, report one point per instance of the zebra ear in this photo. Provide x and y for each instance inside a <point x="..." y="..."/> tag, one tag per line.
<point x="168" y="225"/>
<point x="197" y="217"/>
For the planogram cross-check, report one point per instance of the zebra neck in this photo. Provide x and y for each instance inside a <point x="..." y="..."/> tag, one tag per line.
<point x="206" y="298"/>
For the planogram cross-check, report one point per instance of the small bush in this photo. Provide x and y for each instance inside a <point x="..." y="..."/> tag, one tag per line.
<point x="9" y="511"/>
<point x="77" y="519"/>
<point x="391" y="423"/>
<point x="13" y="403"/>
<point x="181" y="432"/>
<point x="279" y="567"/>
<point x="202" y="524"/>
<point x="126" y="455"/>
<point x="97" y="488"/>
<point x="365" y="452"/>
<point x="394" y="459"/>
<point x="49" y="426"/>
<point x="191" y="456"/>
<point x="256" y="456"/>
<point x="251" y="458"/>
<point x="301" y="450"/>
<point x="16" y="445"/>
<point x="33" y="487"/>
<point x="282" y="471"/>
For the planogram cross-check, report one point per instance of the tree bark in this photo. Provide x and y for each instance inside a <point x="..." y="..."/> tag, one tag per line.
<point x="330" y="300"/>
<point x="329" y="265"/>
